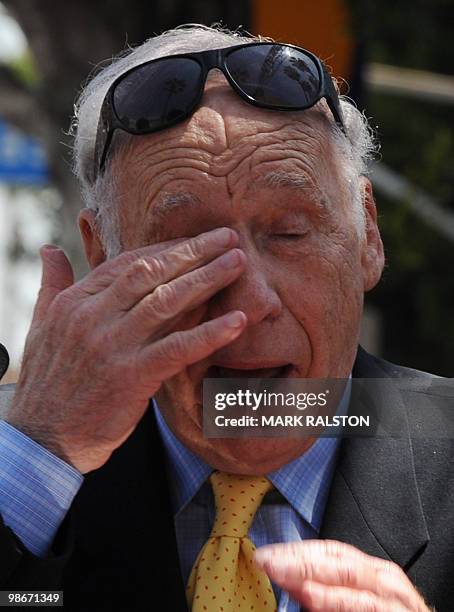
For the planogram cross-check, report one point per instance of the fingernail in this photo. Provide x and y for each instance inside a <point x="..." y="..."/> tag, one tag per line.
<point x="270" y="564"/>
<point x="232" y="259"/>
<point x="48" y="250"/>
<point x="262" y="556"/>
<point x="223" y="236"/>
<point x="235" y="319"/>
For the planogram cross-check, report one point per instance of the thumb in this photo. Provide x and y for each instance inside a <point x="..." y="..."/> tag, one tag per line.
<point x="57" y="275"/>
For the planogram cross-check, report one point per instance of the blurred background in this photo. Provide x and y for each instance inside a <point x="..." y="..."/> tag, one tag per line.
<point x="396" y="60"/>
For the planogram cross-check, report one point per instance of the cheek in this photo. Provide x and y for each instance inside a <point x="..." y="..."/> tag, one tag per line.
<point x="323" y="288"/>
<point x="179" y="404"/>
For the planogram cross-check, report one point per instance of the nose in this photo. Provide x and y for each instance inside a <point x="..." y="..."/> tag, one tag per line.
<point x="253" y="293"/>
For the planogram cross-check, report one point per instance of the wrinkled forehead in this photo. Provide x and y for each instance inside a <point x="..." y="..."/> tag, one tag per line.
<point x="223" y="123"/>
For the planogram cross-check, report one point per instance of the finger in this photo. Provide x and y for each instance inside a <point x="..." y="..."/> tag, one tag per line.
<point x="170" y="355"/>
<point x="157" y="267"/>
<point x="169" y="301"/>
<point x="287" y="554"/>
<point x="57" y="275"/>
<point x="102" y="277"/>
<point x="335" y="564"/>
<point x="318" y="597"/>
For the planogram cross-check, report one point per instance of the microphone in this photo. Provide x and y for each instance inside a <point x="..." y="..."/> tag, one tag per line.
<point x="4" y="360"/>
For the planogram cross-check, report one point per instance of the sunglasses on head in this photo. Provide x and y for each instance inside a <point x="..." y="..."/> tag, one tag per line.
<point x="163" y="92"/>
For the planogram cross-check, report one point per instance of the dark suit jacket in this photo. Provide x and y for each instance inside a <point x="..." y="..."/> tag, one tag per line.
<point x="392" y="498"/>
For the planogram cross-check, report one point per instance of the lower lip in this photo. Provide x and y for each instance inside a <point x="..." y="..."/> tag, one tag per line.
<point x="282" y="372"/>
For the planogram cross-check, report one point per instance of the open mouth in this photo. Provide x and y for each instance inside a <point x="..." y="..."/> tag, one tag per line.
<point x="224" y="372"/>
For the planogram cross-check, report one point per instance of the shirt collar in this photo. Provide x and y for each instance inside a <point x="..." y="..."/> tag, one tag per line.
<point x="187" y="470"/>
<point x="304" y="482"/>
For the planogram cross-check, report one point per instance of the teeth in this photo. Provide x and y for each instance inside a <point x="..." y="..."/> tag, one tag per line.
<point x="257" y="373"/>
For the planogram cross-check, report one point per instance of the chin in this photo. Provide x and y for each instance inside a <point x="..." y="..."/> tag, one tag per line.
<point x="254" y="456"/>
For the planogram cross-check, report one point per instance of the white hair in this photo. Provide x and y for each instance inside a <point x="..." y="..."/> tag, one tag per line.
<point x="98" y="191"/>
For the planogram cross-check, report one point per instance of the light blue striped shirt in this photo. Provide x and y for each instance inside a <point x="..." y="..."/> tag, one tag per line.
<point x="36" y="489"/>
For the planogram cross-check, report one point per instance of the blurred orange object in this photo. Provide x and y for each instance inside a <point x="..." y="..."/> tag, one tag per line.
<point x="321" y="27"/>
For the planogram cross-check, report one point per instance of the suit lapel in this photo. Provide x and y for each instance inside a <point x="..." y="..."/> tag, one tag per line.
<point x="374" y="501"/>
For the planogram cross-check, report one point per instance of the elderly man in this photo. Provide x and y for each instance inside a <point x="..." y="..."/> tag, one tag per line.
<point x="230" y="231"/>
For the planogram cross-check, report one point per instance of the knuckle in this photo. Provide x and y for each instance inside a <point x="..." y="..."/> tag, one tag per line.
<point x="305" y="571"/>
<point x="336" y="549"/>
<point x="207" y="275"/>
<point x="347" y="573"/>
<point x="175" y="349"/>
<point x="196" y="247"/>
<point x="207" y="335"/>
<point x="142" y="272"/>
<point x="127" y="258"/>
<point x="163" y="299"/>
<point x="197" y="281"/>
<point x="155" y="266"/>
<point x="151" y="310"/>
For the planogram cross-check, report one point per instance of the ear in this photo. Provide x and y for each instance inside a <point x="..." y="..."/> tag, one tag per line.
<point x="372" y="257"/>
<point x="94" y="251"/>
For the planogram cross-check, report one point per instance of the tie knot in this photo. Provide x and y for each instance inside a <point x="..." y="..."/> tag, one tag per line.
<point x="237" y="500"/>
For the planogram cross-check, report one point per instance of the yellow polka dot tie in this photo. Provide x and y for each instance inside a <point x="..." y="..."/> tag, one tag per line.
<point x="224" y="577"/>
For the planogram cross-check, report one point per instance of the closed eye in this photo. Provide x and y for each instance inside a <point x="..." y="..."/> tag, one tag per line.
<point x="289" y="236"/>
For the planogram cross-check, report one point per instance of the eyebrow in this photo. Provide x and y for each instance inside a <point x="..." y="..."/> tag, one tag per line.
<point x="279" y="178"/>
<point x="298" y="182"/>
<point x="172" y="202"/>
<point x="168" y="202"/>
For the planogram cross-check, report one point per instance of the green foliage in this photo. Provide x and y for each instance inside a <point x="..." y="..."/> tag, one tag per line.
<point x="25" y="69"/>
<point x="416" y="295"/>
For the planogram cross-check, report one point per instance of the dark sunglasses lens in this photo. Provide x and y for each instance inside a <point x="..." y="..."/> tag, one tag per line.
<point x="275" y="74"/>
<point x="157" y="94"/>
